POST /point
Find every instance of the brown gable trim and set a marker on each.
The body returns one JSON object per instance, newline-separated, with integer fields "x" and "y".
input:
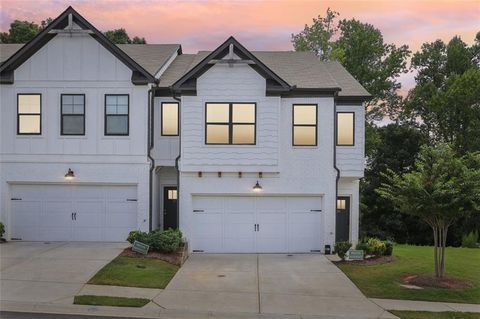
{"x": 139, "y": 75}
{"x": 187, "y": 83}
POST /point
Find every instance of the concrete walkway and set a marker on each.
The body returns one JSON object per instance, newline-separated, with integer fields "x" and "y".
{"x": 414, "y": 305}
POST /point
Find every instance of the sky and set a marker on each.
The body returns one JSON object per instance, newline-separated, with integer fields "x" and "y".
{"x": 259, "y": 25}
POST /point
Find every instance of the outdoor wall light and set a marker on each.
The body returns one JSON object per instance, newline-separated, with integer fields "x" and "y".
{"x": 70, "y": 174}
{"x": 257, "y": 187}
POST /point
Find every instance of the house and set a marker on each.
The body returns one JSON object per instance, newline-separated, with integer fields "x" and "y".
{"x": 244, "y": 151}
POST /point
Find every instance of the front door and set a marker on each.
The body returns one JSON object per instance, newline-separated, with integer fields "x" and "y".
{"x": 170, "y": 217}
{"x": 343, "y": 219}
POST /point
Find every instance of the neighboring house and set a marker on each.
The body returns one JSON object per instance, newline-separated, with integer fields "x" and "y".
{"x": 244, "y": 151}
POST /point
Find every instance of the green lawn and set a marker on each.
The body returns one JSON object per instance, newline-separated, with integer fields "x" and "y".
{"x": 135, "y": 272}
{"x": 110, "y": 301}
{"x": 435, "y": 315}
{"x": 382, "y": 281}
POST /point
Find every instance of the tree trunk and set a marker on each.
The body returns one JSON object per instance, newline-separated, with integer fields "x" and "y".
{"x": 440, "y": 229}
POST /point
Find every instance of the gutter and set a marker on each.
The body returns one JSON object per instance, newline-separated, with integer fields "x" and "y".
{"x": 151, "y": 96}
{"x": 335, "y": 152}
{"x": 177, "y": 159}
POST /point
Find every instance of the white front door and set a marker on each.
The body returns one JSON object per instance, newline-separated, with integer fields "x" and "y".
{"x": 72, "y": 212}
{"x": 246, "y": 224}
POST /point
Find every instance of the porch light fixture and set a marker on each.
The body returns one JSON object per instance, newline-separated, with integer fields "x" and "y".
{"x": 70, "y": 174}
{"x": 257, "y": 187}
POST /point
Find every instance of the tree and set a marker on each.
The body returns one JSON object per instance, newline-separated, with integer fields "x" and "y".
{"x": 20, "y": 32}
{"x": 446, "y": 97}
{"x": 120, "y": 36}
{"x": 360, "y": 48}
{"x": 442, "y": 188}
{"x": 391, "y": 147}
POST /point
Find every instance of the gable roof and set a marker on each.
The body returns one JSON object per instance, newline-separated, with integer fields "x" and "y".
{"x": 139, "y": 74}
{"x": 187, "y": 82}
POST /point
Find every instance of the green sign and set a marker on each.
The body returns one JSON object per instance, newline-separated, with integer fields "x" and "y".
{"x": 140, "y": 247}
{"x": 355, "y": 255}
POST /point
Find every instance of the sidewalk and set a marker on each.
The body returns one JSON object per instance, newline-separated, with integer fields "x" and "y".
{"x": 414, "y": 305}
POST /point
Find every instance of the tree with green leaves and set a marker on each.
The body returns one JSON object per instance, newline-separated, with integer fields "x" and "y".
{"x": 22, "y": 31}
{"x": 120, "y": 36}
{"x": 440, "y": 189}
{"x": 360, "y": 48}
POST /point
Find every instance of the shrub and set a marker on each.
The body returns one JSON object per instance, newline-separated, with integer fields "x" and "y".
{"x": 166, "y": 241}
{"x": 378, "y": 246}
{"x": 470, "y": 240}
{"x": 2, "y": 230}
{"x": 342, "y": 247}
{"x": 140, "y": 236}
{"x": 365, "y": 247}
{"x": 388, "y": 248}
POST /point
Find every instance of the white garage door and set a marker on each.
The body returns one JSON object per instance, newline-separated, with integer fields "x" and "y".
{"x": 72, "y": 213}
{"x": 256, "y": 224}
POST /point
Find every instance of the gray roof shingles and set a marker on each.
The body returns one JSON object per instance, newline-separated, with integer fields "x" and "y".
{"x": 301, "y": 69}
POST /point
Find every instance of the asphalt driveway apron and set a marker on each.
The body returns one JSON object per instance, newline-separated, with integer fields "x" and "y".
{"x": 305, "y": 284}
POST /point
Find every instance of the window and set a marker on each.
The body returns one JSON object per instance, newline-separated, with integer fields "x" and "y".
{"x": 29, "y": 114}
{"x": 345, "y": 128}
{"x": 169, "y": 119}
{"x": 72, "y": 114}
{"x": 116, "y": 114}
{"x": 304, "y": 125}
{"x": 172, "y": 194}
{"x": 341, "y": 203}
{"x": 230, "y": 123}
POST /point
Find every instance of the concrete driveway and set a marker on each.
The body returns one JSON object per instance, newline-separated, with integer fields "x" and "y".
{"x": 267, "y": 284}
{"x": 50, "y": 272}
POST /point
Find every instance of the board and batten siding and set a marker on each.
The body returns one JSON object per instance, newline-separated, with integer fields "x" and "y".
{"x": 224, "y": 84}
{"x": 351, "y": 159}
{"x": 165, "y": 148}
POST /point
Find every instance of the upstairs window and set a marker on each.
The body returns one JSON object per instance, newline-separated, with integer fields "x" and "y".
{"x": 304, "y": 125}
{"x": 29, "y": 114}
{"x": 72, "y": 114}
{"x": 116, "y": 114}
{"x": 230, "y": 123}
{"x": 169, "y": 119}
{"x": 345, "y": 128}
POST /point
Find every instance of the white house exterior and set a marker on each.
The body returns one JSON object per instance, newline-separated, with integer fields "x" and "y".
{"x": 241, "y": 150}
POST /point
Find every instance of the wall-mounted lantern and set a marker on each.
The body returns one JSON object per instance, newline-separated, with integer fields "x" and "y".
{"x": 257, "y": 187}
{"x": 70, "y": 175}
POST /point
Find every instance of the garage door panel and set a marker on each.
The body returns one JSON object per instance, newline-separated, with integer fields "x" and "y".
{"x": 89, "y": 213}
{"x": 239, "y": 204}
{"x": 239, "y": 244}
{"x": 271, "y": 204}
{"x": 56, "y": 214}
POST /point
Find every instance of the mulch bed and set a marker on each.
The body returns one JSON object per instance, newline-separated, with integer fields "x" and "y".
{"x": 434, "y": 282}
{"x": 370, "y": 261}
{"x": 176, "y": 258}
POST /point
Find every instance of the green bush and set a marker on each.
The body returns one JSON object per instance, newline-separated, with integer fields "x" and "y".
{"x": 342, "y": 247}
{"x": 140, "y": 236}
{"x": 166, "y": 241}
{"x": 388, "y": 248}
{"x": 470, "y": 240}
{"x": 365, "y": 247}
{"x": 2, "y": 230}
{"x": 378, "y": 246}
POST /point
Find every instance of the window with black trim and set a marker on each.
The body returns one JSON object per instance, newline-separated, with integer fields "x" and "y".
{"x": 29, "y": 114}
{"x": 72, "y": 114}
{"x": 345, "y": 128}
{"x": 304, "y": 119}
{"x": 116, "y": 114}
{"x": 230, "y": 123}
{"x": 169, "y": 119}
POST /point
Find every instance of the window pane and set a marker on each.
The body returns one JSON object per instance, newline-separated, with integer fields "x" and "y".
{"x": 304, "y": 135}
{"x": 29, "y": 103}
{"x": 345, "y": 128}
{"x": 122, "y": 109}
{"x": 78, "y": 99}
{"x": 67, "y": 99}
{"x": 122, "y": 100}
{"x": 304, "y": 114}
{"x": 111, "y": 100}
{"x": 29, "y": 124}
{"x": 73, "y": 125}
{"x": 217, "y": 134}
{"x": 67, "y": 109}
{"x": 111, "y": 109}
{"x": 78, "y": 109}
{"x": 340, "y": 204}
{"x": 243, "y": 134}
{"x": 170, "y": 119}
{"x": 217, "y": 113}
{"x": 244, "y": 113}
{"x": 117, "y": 124}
